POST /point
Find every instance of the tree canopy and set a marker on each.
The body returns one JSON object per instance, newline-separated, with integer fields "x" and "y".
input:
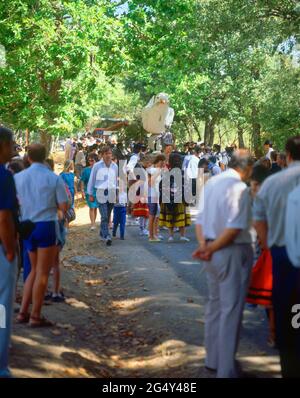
{"x": 230, "y": 66}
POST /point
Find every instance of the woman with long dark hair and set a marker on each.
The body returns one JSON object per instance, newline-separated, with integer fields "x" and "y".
{"x": 174, "y": 215}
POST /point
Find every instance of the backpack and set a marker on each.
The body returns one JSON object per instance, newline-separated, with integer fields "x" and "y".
{"x": 70, "y": 214}
{"x": 292, "y": 227}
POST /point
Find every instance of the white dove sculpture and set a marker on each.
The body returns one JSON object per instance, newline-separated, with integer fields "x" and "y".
{"x": 157, "y": 116}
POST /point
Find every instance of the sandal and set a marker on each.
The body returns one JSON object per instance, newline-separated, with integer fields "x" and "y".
{"x": 40, "y": 322}
{"x": 22, "y": 318}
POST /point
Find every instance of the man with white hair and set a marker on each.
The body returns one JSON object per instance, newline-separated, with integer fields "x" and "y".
{"x": 223, "y": 232}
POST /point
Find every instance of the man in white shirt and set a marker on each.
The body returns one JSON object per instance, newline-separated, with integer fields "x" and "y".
{"x": 292, "y": 227}
{"x": 269, "y": 215}
{"x": 223, "y": 232}
{"x": 268, "y": 148}
{"x": 103, "y": 178}
{"x": 135, "y": 157}
{"x": 192, "y": 170}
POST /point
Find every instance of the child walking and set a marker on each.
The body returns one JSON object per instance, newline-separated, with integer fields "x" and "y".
{"x": 120, "y": 216}
{"x": 154, "y": 177}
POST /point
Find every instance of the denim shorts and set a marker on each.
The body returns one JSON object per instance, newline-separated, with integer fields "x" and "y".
{"x": 42, "y": 237}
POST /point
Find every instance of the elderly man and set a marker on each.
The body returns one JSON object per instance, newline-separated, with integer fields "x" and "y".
{"x": 269, "y": 214}
{"x": 223, "y": 232}
{"x": 41, "y": 193}
{"x": 8, "y": 244}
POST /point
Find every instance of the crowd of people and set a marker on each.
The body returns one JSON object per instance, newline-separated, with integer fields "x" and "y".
{"x": 127, "y": 185}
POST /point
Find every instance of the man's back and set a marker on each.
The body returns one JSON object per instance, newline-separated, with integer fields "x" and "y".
{"x": 271, "y": 200}
{"x": 38, "y": 191}
{"x": 226, "y": 204}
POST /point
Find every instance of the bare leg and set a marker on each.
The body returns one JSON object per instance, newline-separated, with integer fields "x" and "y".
{"x": 45, "y": 260}
{"x": 156, "y": 227}
{"x": 27, "y": 292}
{"x": 182, "y": 231}
{"x": 151, "y": 227}
{"x": 93, "y": 216}
{"x": 56, "y": 273}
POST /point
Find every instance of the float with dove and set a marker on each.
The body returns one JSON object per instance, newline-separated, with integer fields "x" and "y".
{"x": 157, "y": 118}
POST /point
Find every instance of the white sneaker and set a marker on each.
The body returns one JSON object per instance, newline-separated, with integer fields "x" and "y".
{"x": 160, "y": 237}
{"x": 146, "y": 232}
{"x": 184, "y": 239}
{"x": 92, "y": 228}
{"x": 170, "y": 239}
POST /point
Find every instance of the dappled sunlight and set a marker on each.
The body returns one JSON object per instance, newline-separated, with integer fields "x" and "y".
{"x": 171, "y": 353}
{"x": 170, "y": 300}
{"x": 266, "y": 364}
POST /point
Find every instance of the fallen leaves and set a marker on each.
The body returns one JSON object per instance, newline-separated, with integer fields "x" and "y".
{"x": 94, "y": 282}
{"x": 56, "y": 332}
{"x": 66, "y": 326}
{"x": 76, "y": 303}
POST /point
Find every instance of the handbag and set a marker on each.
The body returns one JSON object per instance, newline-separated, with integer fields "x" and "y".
{"x": 260, "y": 290}
{"x": 25, "y": 229}
{"x": 70, "y": 215}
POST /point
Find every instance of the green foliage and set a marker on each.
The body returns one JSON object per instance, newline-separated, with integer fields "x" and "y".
{"x": 229, "y": 65}
{"x": 58, "y": 57}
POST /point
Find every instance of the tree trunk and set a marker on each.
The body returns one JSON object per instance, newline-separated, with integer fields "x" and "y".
{"x": 27, "y": 137}
{"x": 256, "y": 134}
{"x": 46, "y": 139}
{"x": 209, "y": 132}
{"x": 241, "y": 137}
{"x": 197, "y": 130}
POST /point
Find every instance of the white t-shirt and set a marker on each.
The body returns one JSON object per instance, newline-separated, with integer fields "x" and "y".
{"x": 268, "y": 155}
{"x": 154, "y": 175}
{"x": 192, "y": 168}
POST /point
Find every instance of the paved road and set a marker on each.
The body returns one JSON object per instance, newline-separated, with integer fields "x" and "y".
{"x": 176, "y": 257}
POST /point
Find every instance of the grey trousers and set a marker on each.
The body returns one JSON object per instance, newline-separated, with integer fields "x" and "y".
{"x": 228, "y": 275}
{"x": 8, "y": 274}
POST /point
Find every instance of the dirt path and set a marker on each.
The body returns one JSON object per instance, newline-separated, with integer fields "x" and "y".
{"x": 130, "y": 316}
{"x": 104, "y": 328}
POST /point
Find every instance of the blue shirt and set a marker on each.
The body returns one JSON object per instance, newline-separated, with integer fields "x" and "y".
{"x": 85, "y": 177}
{"x": 8, "y": 197}
{"x": 39, "y": 192}
{"x": 69, "y": 179}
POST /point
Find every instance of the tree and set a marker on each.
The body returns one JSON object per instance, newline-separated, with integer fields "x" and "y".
{"x": 58, "y": 55}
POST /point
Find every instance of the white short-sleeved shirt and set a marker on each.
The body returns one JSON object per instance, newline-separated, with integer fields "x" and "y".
{"x": 268, "y": 155}
{"x": 192, "y": 168}
{"x": 225, "y": 203}
{"x": 39, "y": 191}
